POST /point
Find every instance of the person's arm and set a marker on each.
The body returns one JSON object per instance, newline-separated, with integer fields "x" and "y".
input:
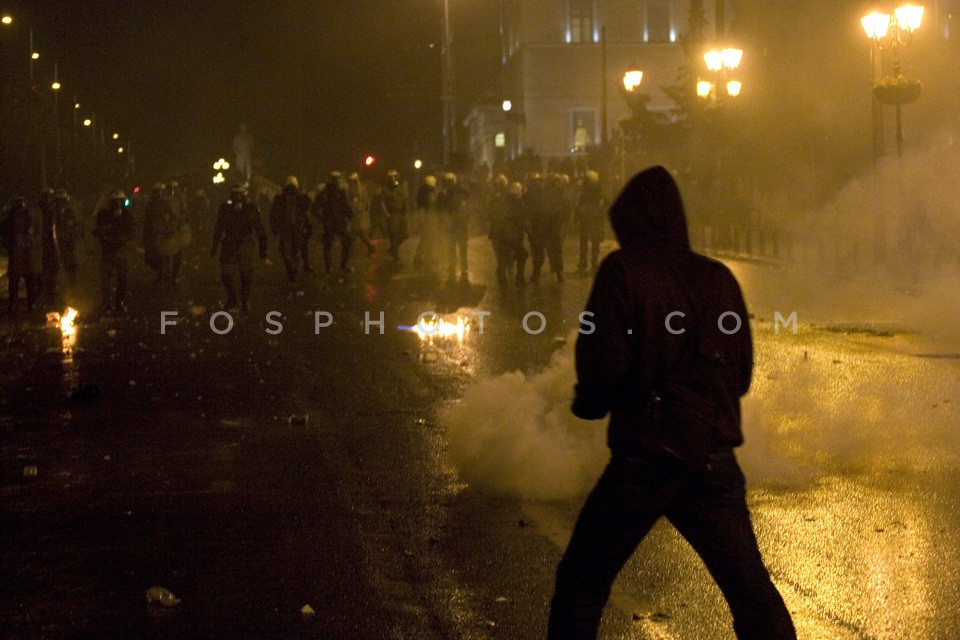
{"x": 603, "y": 356}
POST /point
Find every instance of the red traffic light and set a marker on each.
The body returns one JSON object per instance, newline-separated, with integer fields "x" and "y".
{"x": 369, "y": 161}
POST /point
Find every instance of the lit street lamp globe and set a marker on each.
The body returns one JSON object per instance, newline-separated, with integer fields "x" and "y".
{"x": 632, "y": 80}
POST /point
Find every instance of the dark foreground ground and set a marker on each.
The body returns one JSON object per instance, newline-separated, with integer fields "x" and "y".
{"x": 253, "y": 474}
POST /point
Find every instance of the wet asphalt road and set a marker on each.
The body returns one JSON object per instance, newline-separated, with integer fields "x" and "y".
{"x": 252, "y": 474}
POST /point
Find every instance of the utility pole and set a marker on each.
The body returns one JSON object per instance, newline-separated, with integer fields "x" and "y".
{"x": 720, "y": 15}
{"x": 447, "y": 89}
{"x": 603, "y": 87}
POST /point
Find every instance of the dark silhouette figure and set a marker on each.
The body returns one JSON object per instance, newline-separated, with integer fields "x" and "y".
{"x": 654, "y": 356}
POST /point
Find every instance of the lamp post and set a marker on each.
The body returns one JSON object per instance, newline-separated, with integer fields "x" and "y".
{"x": 34, "y": 56}
{"x": 447, "y": 89}
{"x": 721, "y": 63}
{"x": 722, "y": 87}
{"x": 636, "y": 102}
{"x": 57, "y": 168}
{"x": 718, "y": 91}
{"x": 890, "y": 32}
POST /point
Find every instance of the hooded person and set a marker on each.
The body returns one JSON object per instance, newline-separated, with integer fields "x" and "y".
{"x": 665, "y": 349}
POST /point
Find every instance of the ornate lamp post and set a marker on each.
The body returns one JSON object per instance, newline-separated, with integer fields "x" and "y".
{"x": 890, "y": 32}
{"x": 721, "y": 63}
{"x": 631, "y": 130}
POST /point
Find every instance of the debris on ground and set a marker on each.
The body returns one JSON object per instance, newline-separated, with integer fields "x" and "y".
{"x": 162, "y": 596}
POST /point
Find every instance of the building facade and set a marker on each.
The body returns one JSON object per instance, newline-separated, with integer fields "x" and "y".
{"x": 559, "y": 58}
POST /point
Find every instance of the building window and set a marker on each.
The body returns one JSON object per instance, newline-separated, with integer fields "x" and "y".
{"x": 581, "y": 22}
{"x": 584, "y": 130}
{"x": 500, "y": 140}
{"x": 659, "y": 25}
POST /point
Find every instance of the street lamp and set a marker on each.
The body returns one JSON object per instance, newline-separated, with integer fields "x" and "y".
{"x": 34, "y": 56}
{"x": 116, "y": 136}
{"x": 6, "y": 20}
{"x": 632, "y": 79}
{"x": 891, "y": 31}
{"x": 507, "y": 105}
{"x": 87, "y": 122}
{"x": 721, "y": 63}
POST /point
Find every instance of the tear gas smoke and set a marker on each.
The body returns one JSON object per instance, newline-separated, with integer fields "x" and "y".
{"x": 883, "y": 251}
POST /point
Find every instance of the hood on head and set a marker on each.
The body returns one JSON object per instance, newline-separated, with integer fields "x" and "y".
{"x": 649, "y": 210}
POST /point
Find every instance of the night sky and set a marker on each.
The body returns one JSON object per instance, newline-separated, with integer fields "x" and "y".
{"x": 320, "y": 83}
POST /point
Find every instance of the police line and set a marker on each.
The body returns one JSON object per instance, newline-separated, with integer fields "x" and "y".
{"x": 221, "y": 322}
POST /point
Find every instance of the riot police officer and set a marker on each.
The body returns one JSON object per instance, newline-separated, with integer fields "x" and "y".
{"x": 238, "y": 232}
{"x": 114, "y": 230}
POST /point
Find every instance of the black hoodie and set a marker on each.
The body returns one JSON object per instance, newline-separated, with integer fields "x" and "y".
{"x": 641, "y": 288}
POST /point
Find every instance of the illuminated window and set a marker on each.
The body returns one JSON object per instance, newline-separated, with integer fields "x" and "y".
{"x": 581, "y": 22}
{"x": 500, "y": 140}
{"x": 659, "y": 26}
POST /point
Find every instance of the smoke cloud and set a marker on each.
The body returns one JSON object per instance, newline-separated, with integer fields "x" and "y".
{"x": 839, "y": 397}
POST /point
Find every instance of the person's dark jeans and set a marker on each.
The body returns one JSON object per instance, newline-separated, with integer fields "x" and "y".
{"x": 710, "y": 511}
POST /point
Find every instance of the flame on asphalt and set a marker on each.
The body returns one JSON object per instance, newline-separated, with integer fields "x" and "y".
{"x": 67, "y": 325}
{"x": 437, "y": 327}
